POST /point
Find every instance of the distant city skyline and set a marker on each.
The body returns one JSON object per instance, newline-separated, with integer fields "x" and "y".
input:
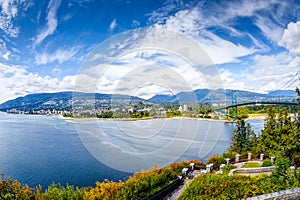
{"x": 254, "y": 45}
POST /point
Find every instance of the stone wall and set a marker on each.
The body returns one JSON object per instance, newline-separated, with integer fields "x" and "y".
{"x": 291, "y": 194}
{"x": 252, "y": 170}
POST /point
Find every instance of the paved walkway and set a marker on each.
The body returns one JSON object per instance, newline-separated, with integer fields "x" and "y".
{"x": 176, "y": 193}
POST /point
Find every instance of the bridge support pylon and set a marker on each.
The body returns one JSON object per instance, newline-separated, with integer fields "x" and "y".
{"x": 234, "y": 111}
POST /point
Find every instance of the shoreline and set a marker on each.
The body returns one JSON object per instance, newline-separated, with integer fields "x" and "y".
{"x": 261, "y": 116}
{"x": 74, "y": 119}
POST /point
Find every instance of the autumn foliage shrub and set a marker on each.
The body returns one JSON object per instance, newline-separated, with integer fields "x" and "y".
{"x": 136, "y": 187}
{"x": 217, "y": 161}
{"x": 10, "y": 189}
{"x": 178, "y": 166}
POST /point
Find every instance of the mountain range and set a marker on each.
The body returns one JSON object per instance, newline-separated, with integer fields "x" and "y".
{"x": 65, "y": 100}
{"x": 220, "y": 95}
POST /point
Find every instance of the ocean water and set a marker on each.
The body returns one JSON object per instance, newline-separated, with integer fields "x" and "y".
{"x": 45, "y": 149}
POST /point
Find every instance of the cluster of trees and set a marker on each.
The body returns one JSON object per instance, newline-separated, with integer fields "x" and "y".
{"x": 107, "y": 114}
{"x": 68, "y": 115}
{"x": 244, "y": 112}
{"x": 281, "y": 133}
{"x": 205, "y": 110}
{"x": 139, "y": 114}
{"x": 173, "y": 113}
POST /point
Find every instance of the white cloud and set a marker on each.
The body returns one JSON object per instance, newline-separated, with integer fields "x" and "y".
{"x": 59, "y": 55}
{"x": 113, "y": 25}
{"x": 81, "y": 3}
{"x": 272, "y": 72}
{"x": 201, "y": 21}
{"x": 223, "y": 51}
{"x": 231, "y": 80}
{"x": 10, "y": 10}
{"x": 243, "y": 8}
{"x": 219, "y": 50}
{"x": 6, "y": 55}
{"x": 146, "y": 71}
{"x": 274, "y": 65}
{"x": 67, "y": 17}
{"x": 291, "y": 37}
{"x": 136, "y": 24}
{"x": 153, "y": 77}
{"x": 17, "y": 81}
{"x": 56, "y": 70}
{"x": 51, "y": 22}
{"x": 264, "y": 74}
{"x": 270, "y": 29}
{"x": 268, "y": 16}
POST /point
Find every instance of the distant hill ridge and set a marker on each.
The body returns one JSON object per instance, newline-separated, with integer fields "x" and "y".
{"x": 207, "y": 96}
{"x": 63, "y": 100}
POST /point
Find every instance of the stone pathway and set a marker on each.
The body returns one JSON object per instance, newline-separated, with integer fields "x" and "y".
{"x": 176, "y": 193}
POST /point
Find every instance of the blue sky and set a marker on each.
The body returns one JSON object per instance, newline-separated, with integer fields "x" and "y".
{"x": 254, "y": 45}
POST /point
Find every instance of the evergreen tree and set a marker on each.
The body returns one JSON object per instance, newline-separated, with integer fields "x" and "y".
{"x": 268, "y": 140}
{"x": 295, "y": 144}
{"x": 251, "y": 140}
{"x": 244, "y": 138}
{"x": 286, "y": 131}
{"x": 298, "y": 92}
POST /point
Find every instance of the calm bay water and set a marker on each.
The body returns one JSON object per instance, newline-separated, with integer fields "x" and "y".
{"x": 42, "y": 149}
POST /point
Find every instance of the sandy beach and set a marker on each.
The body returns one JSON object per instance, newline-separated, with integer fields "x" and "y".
{"x": 257, "y": 116}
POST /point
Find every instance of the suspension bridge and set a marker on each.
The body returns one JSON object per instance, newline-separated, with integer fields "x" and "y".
{"x": 278, "y": 100}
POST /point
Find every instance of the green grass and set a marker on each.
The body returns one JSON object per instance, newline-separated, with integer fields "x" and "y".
{"x": 251, "y": 165}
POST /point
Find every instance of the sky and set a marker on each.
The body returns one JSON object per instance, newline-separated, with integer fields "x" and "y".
{"x": 45, "y": 45}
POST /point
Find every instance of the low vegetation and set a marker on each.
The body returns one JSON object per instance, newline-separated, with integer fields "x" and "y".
{"x": 267, "y": 163}
{"x": 136, "y": 187}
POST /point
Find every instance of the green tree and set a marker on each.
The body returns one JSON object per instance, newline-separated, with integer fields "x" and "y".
{"x": 278, "y": 133}
{"x": 283, "y": 176}
{"x": 267, "y": 142}
{"x": 244, "y": 138}
{"x": 295, "y": 144}
{"x": 243, "y": 112}
{"x": 251, "y": 139}
{"x": 286, "y": 131}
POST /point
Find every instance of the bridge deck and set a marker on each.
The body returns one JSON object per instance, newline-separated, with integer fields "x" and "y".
{"x": 258, "y": 103}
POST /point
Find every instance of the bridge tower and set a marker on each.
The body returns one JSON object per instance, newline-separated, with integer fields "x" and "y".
{"x": 234, "y": 111}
